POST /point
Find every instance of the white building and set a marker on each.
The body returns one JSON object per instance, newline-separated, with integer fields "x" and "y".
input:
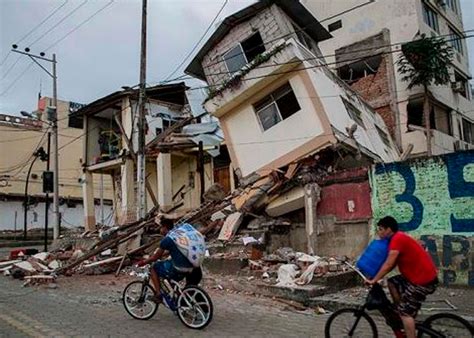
{"x": 365, "y": 47}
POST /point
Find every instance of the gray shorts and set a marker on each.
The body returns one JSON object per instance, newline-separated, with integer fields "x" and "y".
{"x": 411, "y": 295}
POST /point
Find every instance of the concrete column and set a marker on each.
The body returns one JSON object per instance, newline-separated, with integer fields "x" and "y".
{"x": 89, "y": 208}
{"x": 164, "y": 178}
{"x": 127, "y": 181}
{"x": 312, "y": 196}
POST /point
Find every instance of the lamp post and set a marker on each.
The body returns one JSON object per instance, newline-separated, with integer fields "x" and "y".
{"x": 54, "y": 124}
{"x": 43, "y": 156}
{"x": 46, "y": 185}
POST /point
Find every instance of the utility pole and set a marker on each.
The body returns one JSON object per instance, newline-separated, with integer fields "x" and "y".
{"x": 46, "y": 207}
{"x": 141, "y": 161}
{"x": 54, "y": 119}
{"x": 56, "y": 154}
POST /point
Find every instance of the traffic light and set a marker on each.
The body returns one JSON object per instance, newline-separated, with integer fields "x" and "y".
{"x": 48, "y": 181}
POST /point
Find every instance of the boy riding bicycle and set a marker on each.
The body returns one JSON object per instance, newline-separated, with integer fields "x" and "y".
{"x": 418, "y": 274}
{"x": 186, "y": 247}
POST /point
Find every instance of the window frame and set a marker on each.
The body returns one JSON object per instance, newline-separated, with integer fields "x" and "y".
{"x": 456, "y": 40}
{"x": 453, "y": 5}
{"x": 273, "y": 101}
{"x": 242, "y": 52}
{"x": 430, "y": 17}
{"x": 354, "y": 113}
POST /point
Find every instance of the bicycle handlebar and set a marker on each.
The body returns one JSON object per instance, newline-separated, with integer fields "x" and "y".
{"x": 356, "y": 270}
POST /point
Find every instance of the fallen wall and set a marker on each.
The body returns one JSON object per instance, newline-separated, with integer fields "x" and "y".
{"x": 433, "y": 199}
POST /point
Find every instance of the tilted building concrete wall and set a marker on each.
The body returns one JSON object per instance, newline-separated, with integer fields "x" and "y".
{"x": 433, "y": 199}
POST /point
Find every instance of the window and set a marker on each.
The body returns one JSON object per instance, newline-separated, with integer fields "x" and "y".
{"x": 75, "y": 121}
{"x": 335, "y": 25}
{"x": 244, "y": 52}
{"x": 353, "y": 72}
{"x": 383, "y": 136}
{"x": 460, "y": 85}
{"x": 430, "y": 17}
{"x": 276, "y": 107}
{"x": 354, "y": 113}
{"x": 456, "y": 40}
{"x": 303, "y": 38}
{"x": 453, "y": 5}
{"x": 468, "y": 131}
{"x": 165, "y": 124}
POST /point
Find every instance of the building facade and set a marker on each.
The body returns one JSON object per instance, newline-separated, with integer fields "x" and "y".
{"x": 19, "y": 139}
{"x": 365, "y": 47}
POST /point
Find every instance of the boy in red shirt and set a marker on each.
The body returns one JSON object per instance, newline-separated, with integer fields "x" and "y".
{"x": 418, "y": 274}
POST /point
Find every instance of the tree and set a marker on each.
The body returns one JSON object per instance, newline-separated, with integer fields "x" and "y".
{"x": 424, "y": 62}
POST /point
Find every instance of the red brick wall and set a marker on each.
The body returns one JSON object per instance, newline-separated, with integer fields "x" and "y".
{"x": 375, "y": 90}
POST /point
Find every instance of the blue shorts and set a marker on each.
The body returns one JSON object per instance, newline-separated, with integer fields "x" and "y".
{"x": 166, "y": 269}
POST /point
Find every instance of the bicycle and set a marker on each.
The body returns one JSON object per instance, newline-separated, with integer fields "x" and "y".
{"x": 190, "y": 303}
{"x": 356, "y": 322}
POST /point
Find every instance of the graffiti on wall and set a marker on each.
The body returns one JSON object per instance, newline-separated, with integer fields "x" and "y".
{"x": 433, "y": 200}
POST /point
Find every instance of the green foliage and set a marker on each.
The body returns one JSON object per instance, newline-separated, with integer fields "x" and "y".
{"x": 425, "y": 61}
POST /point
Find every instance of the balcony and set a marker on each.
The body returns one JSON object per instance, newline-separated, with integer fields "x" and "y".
{"x": 282, "y": 58}
{"x": 441, "y": 143}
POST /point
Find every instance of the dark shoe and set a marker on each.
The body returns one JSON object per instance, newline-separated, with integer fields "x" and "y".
{"x": 156, "y": 298}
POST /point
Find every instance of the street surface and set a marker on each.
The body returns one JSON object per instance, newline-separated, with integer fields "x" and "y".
{"x": 91, "y": 306}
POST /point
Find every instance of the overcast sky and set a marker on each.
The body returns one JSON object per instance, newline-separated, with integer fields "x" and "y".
{"x": 103, "y": 54}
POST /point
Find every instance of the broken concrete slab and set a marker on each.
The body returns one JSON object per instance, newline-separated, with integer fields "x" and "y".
{"x": 42, "y": 257}
{"x": 230, "y": 226}
{"x": 9, "y": 263}
{"x": 298, "y": 293}
{"x": 225, "y": 266}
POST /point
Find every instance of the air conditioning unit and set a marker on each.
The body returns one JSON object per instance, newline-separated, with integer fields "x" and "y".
{"x": 457, "y": 87}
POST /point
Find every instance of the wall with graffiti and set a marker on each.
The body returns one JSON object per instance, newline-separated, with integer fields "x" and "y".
{"x": 433, "y": 200}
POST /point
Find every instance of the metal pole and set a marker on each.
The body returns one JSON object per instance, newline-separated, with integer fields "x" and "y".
{"x": 46, "y": 208}
{"x": 26, "y": 198}
{"x": 56, "y": 153}
{"x": 102, "y": 199}
{"x": 201, "y": 170}
{"x": 141, "y": 198}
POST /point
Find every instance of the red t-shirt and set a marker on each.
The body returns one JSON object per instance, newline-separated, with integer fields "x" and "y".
{"x": 413, "y": 261}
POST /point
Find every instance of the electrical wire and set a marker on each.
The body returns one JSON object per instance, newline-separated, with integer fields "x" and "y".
{"x": 58, "y": 23}
{"x": 17, "y": 78}
{"x": 199, "y": 41}
{"x": 11, "y": 67}
{"x": 80, "y": 25}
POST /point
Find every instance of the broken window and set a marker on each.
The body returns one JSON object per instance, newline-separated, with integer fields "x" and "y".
{"x": 302, "y": 37}
{"x": 354, "y": 113}
{"x": 353, "y": 72}
{"x": 442, "y": 119}
{"x": 276, "y": 107}
{"x": 383, "y": 136}
{"x": 460, "y": 85}
{"x": 244, "y": 52}
{"x": 468, "y": 131}
{"x": 164, "y": 125}
{"x": 430, "y": 17}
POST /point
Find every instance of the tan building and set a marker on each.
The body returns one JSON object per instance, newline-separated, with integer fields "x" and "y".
{"x": 176, "y": 172}
{"x": 19, "y": 139}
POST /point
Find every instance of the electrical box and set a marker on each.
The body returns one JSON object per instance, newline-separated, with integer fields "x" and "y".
{"x": 48, "y": 182}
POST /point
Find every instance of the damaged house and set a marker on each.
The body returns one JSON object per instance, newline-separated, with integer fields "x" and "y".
{"x": 282, "y": 110}
{"x": 178, "y": 151}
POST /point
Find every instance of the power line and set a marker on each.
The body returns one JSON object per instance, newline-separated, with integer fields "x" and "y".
{"x": 58, "y": 23}
{"x": 11, "y": 67}
{"x": 80, "y": 25}
{"x": 17, "y": 78}
{"x": 42, "y": 22}
{"x": 197, "y": 43}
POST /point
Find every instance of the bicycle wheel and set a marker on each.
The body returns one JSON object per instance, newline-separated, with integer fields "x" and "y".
{"x": 195, "y": 307}
{"x": 448, "y": 325}
{"x": 139, "y": 305}
{"x": 341, "y": 324}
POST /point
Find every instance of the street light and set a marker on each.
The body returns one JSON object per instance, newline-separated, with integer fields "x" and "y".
{"x": 54, "y": 120}
{"x": 46, "y": 182}
{"x": 40, "y": 153}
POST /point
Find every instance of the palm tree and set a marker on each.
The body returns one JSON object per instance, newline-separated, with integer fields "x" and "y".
{"x": 424, "y": 62}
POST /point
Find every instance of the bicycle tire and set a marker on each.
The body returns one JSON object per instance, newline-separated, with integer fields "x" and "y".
{"x": 461, "y": 330}
{"x": 332, "y": 323}
{"x": 206, "y": 305}
{"x": 153, "y": 305}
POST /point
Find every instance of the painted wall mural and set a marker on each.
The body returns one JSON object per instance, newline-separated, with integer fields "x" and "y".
{"x": 433, "y": 200}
